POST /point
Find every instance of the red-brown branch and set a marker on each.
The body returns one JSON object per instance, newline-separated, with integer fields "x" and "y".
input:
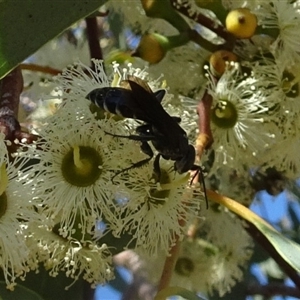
{"x": 92, "y": 30}
{"x": 11, "y": 87}
{"x": 42, "y": 69}
{"x": 205, "y": 137}
{"x": 273, "y": 289}
{"x": 170, "y": 263}
{"x": 10, "y": 90}
{"x": 220, "y": 30}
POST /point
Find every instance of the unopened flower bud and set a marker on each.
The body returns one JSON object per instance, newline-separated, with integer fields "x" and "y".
{"x": 164, "y": 10}
{"x": 153, "y": 47}
{"x": 241, "y": 23}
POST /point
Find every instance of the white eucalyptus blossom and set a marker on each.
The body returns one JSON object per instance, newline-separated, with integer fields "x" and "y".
{"x": 73, "y": 257}
{"x": 285, "y": 17}
{"x": 285, "y": 154}
{"x": 77, "y": 161}
{"x": 158, "y": 209}
{"x": 240, "y": 118}
{"x": 16, "y": 211}
{"x": 226, "y": 233}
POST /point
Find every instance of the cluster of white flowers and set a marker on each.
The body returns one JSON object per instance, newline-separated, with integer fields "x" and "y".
{"x": 77, "y": 209}
{"x": 73, "y": 197}
{"x": 255, "y": 107}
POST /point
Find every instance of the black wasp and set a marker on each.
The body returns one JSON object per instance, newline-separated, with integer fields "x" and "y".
{"x": 134, "y": 99}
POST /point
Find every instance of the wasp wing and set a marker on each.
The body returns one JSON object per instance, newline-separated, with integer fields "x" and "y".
{"x": 150, "y": 110}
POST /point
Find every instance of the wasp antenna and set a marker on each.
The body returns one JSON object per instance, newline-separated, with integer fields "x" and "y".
{"x": 199, "y": 170}
{"x": 204, "y": 187}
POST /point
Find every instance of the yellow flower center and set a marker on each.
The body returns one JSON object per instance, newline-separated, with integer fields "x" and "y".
{"x": 81, "y": 166}
{"x": 224, "y": 114}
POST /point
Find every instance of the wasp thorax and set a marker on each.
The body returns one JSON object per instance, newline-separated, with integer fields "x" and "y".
{"x": 80, "y": 166}
{"x": 290, "y": 84}
{"x": 184, "y": 266}
{"x": 224, "y": 114}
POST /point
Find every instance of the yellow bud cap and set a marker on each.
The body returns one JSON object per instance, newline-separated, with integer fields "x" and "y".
{"x": 241, "y": 23}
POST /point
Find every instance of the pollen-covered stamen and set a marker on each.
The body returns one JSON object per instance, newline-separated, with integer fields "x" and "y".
{"x": 290, "y": 84}
{"x": 160, "y": 193}
{"x": 76, "y": 234}
{"x": 175, "y": 184}
{"x": 224, "y": 114}
{"x": 80, "y": 166}
{"x": 184, "y": 266}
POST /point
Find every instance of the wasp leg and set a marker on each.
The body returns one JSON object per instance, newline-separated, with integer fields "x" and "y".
{"x": 133, "y": 137}
{"x": 144, "y": 130}
{"x": 176, "y": 119}
{"x": 199, "y": 170}
{"x": 147, "y": 150}
{"x": 156, "y": 168}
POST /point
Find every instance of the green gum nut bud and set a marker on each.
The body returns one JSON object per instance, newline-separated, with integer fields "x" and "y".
{"x": 153, "y": 46}
{"x": 164, "y": 10}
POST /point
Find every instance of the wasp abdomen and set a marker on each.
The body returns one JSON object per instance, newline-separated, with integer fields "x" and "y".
{"x": 112, "y": 100}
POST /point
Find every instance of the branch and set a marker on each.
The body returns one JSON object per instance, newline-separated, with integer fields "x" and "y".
{"x": 184, "y": 7}
{"x": 170, "y": 263}
{"x": 205, "y": 137}
{"x": 272, "y": 289}
{"x": 11, "y": 87}
{"x": 92, "y": 31}
{"x": 42, "y": 69}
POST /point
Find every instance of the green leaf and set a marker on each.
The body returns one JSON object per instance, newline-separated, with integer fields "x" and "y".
{"x": 20, "y": 293}
{"x": 27, "y": 25}
{"x": 288, "y": 250}
{"x": 178, "y": 291}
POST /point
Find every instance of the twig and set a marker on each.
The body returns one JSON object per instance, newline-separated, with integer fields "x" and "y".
{"x": 92, "y": 31}
{"x": 272, "y": 289}
{"x": 10, "y": 90}
{"x": 170, "y": 263}
{"x": 205, "y": 137}
{"x": 185, "y": 8}
{"x": 11, "y": 87}
{"x": 42, "y": 69}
